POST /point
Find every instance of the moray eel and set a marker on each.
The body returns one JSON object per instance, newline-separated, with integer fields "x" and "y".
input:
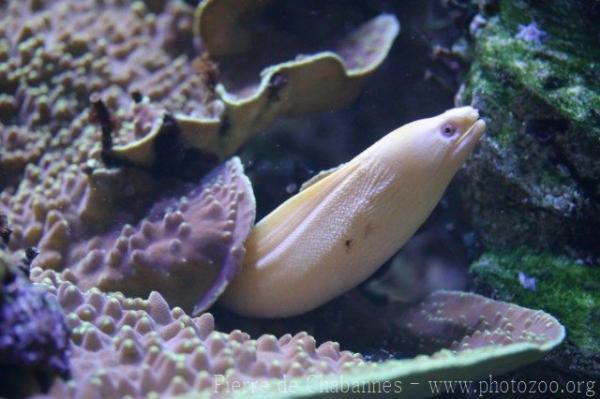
{"x": 348, "y": 221}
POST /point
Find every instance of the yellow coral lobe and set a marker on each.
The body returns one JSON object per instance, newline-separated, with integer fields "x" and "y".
{"x": 337, "y": 231}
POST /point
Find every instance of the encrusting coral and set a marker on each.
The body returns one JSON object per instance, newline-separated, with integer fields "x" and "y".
{"x": 461, "y": 333}
{"x": 54, "y": 54}
{"x": 188, "y": 247}
{"x": 308, "y": 83}
{"x": 132, "y": 346}
{"x": 347, "y": 222}
{"x": 92, "y": 91}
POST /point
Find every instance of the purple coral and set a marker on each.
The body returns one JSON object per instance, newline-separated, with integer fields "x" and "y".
{"x": 34, "y": 339}
{"x": 531, "y": 33}
{"x": 188, "y": 247}
{"x": 133, "y": 346}
{"x": 463, "y": 321}
{"x": 55, "y": 193}
{"x": 53, "y": 56}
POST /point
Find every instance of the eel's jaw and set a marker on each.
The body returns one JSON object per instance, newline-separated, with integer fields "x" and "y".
{"x": 466, "y": 143}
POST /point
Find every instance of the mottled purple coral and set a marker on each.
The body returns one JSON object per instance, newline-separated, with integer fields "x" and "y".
{"x": 188, "y": 247}
{"x": 53, "y": 56}
{"x": 462, "y": 321}
{"x": 140, "y": 63}
{"x": 34, "y": 340}
{"x": 133, "y": 346}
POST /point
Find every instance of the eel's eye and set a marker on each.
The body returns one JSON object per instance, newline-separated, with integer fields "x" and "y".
{"x": 448, "y": 129}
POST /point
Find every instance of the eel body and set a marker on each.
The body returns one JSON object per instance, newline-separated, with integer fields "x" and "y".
{"x": 347, "y": 222}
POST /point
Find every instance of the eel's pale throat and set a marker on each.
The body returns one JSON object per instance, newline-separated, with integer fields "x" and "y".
{"x": 347, "y": 222}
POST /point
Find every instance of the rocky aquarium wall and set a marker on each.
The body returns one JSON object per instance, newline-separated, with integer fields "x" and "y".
{"x": 284, "y": 199}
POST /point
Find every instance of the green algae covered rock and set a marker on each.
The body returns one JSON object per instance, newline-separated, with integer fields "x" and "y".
{"x": 568, "y": 290}
{"x": 533, "y": 187}
{"x": 536, "y": 77}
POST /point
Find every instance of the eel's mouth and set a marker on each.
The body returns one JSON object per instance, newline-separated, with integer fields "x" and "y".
{"x": 467, "y": 141}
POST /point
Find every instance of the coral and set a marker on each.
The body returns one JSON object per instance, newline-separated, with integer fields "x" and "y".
{"x": 452, "y": 331}
{"x": 538, "y": 166}
{"x": 19, "y": 149}
{"x": 34, "y": 338}
{"x": 222, "y": 25}
{"x": 460, "y": 321}
{"x": 54, "y": 54}
{"x": 569, "y": 290}
{"x": 305, "y": 84}
{"x": 188, "y": 247}
{"x": 107, "y": 107}
{"x": 132, "y": 346}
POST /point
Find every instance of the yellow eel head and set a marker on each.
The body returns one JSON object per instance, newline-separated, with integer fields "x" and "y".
{"x": 461, "y": 130}
{"x": 442, "y": 143}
